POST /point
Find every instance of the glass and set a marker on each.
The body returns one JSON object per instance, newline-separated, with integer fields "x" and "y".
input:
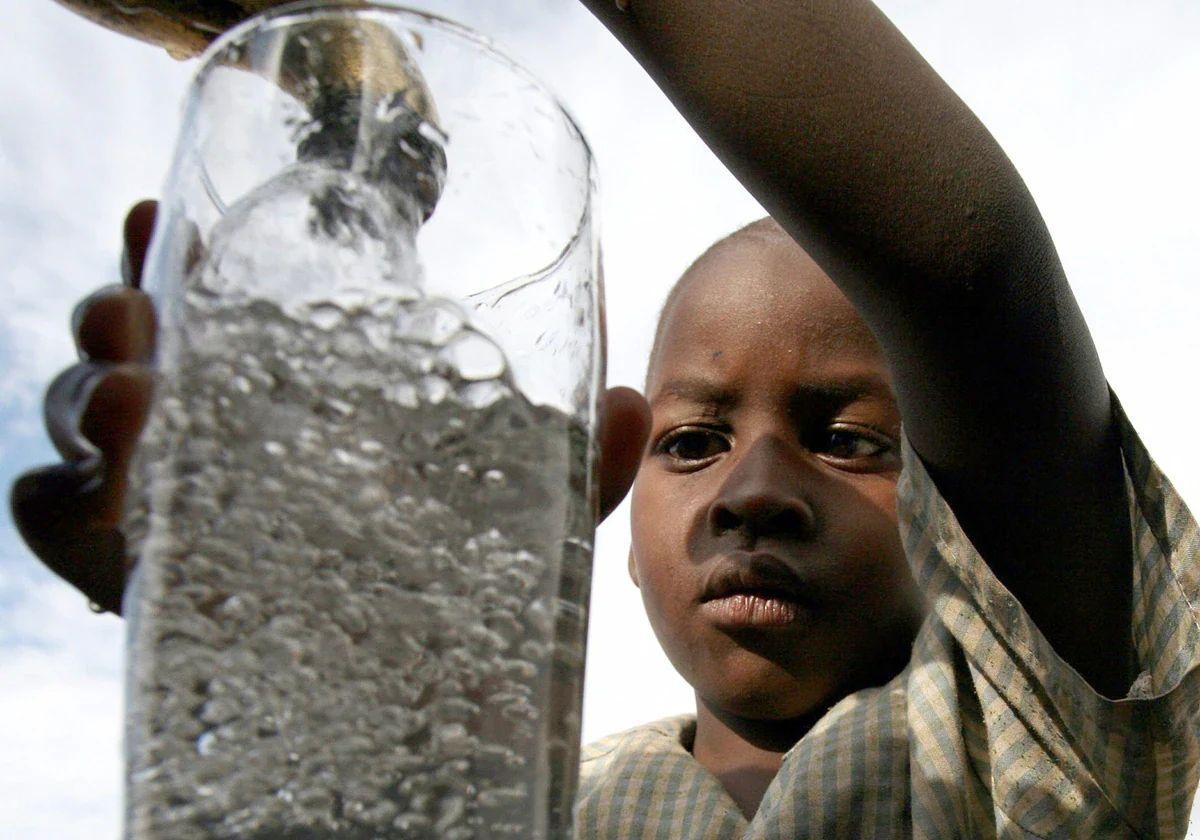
{"x": 365, "y": 497}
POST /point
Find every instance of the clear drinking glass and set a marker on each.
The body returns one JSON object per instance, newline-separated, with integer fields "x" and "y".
{"x": 365, "y": 499}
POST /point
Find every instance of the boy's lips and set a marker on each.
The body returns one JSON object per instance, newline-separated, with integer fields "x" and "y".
{"x": 752, "y": 590}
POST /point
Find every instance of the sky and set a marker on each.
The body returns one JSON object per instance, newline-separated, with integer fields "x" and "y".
{"x": 1094, "y": 103}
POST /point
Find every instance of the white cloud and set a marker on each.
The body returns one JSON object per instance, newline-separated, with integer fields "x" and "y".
{"x": 60, "y": 704}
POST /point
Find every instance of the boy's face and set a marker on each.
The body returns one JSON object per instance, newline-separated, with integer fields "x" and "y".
{"x": 765, "y": 540}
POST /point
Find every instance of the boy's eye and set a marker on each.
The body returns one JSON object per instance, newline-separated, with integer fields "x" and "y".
{"x": 693, "y": 445}
{"x": 850, "y": 444}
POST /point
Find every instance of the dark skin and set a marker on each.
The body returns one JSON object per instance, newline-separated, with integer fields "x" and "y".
{"x": 774, "y": 431}
{"x": 868, "y": 160}
{"x": 871, "y": 163}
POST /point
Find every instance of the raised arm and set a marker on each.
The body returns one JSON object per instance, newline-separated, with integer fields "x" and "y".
{"x": 857, "y": 147}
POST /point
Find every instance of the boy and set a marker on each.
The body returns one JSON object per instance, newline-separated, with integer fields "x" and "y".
{"x": 766, "y": 547}
{"x": 1006, "y": 722}
{"x": 764, "y": 527}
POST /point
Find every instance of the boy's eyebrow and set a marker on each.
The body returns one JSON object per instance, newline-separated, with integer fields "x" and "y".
{"x": 698, "y": 391}
{"x": 844, "y": 389}
{"x": 840, "y": 390}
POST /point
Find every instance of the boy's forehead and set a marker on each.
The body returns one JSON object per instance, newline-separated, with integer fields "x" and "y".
{"x": 759, "y": 297}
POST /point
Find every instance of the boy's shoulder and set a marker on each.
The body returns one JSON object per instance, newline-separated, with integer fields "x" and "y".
{"x": 644, "y": 782}
{"x": 669, "y": 734}
{"x": 668, "y": 739}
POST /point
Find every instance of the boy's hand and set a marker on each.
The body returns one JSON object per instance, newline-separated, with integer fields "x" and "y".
{"x": 69, "y": 513}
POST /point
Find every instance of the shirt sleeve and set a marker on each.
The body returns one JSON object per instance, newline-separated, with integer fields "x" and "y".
{"x": 1043, "y": 753}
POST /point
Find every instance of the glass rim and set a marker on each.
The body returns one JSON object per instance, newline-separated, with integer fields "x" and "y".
{"x": 238, "y": 33}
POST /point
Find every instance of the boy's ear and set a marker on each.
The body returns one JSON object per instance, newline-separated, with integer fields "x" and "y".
{"x": 624, "y": 427}
{"x": 633, "y": 573}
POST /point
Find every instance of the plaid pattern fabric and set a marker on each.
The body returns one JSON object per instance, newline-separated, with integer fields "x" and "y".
{"x": 987, "y": 732}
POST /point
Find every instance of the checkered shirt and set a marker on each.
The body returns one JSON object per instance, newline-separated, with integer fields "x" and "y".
{"x": 987, "y": 732}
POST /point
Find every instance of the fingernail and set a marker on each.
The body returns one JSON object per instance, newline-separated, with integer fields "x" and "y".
{"x": 67, "y": 399}
{"x": 139, "y": 227}
{"x": 126, "y": 269}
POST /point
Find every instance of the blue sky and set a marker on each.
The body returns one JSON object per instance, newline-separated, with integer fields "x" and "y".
{"x": 1093, "y": 101}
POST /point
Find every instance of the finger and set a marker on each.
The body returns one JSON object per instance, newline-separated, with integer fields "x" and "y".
{"x": 69, "y": 513}
{"x": 55, "y": 510}
{"x": 139, "y": 226}
{"x": 114, "y": 324}
{"x": 94, "y": 414}
{"x": 624, "y": 428}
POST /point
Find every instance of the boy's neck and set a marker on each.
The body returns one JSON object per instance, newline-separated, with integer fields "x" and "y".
{"x": 744, "y": 754}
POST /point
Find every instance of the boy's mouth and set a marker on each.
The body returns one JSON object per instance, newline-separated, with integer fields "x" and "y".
{"x": 752, "y": 591}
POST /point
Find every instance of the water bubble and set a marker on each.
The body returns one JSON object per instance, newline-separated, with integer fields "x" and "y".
{"x": 402, "y": 393}
{"x": 334, "y": 408}
{"x": 205, "y": 743}
{"x": 239, "y": 609}
{"x": 431, "y": 322}
{"x": 315, "y": 799}
{"x": 434, "y": 389}
{"x": 519, "y": 709}
{"x": 474, "y": 357}
{"x": 489, "y": 640}
{"x": 534, "y": 651}
{"x": 503, "y": 796}
{"x": 326, "y": 316}
{"x": 453, "y": 809}
{"x": 518, "y": 669}
{"x": 379, "y": 815}
{"x": 507, "y": 626}
{"x": 540, "y": 615}
{"x": 353, "y": 460}
{"x": 414, "y": 825}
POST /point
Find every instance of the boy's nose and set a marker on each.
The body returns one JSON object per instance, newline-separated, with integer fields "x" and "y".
{"x": 764, "y": 496}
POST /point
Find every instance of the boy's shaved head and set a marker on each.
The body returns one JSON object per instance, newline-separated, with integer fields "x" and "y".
{"x": 765, "y": 230}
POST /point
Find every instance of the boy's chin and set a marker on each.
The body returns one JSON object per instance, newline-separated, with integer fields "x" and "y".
{"x": 767, "y": 706}
{"x": 765, "y": 691}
